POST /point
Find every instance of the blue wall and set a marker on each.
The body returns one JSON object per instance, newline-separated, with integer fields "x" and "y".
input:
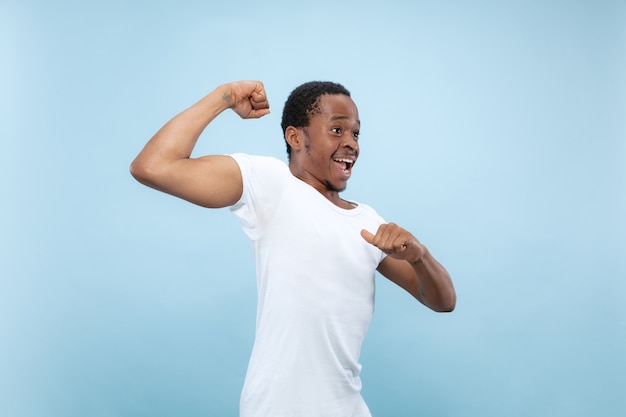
{"x": 494, "y": 131}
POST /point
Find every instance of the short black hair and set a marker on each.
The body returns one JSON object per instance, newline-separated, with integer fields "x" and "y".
{"x": 303, "y": 102}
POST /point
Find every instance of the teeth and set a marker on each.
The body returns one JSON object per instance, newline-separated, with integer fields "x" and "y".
{"x": 348, "y": 162}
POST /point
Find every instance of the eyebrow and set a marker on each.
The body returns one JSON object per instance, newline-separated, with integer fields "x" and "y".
{"x": 332, "y": 119}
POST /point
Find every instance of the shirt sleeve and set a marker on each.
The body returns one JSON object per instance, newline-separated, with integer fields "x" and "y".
{"x": 263, "y": 183}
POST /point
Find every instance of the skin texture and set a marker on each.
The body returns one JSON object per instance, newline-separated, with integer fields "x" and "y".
{"x": 322, "y": 155}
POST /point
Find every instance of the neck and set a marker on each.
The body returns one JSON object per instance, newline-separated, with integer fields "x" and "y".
{"x": 325, "y": 190}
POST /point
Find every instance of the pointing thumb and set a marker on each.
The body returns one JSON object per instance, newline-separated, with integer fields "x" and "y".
{"x": 369, "y": 237}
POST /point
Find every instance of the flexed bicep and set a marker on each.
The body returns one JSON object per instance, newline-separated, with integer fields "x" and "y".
{"x": 165, "y": 162}
{"x": 211, "y": 181}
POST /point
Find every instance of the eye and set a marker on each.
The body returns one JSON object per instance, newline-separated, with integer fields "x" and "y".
{"x": 337, "y": 130}
{"x": 356, "y": 135}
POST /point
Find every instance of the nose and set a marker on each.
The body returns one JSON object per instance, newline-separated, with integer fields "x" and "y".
{"x": 351, "y": 143}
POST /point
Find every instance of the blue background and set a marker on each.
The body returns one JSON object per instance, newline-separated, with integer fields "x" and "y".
{"x": 494, "y": 131}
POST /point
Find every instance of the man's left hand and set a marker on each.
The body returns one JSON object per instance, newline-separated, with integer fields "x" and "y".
{"x": 395, "y": 242}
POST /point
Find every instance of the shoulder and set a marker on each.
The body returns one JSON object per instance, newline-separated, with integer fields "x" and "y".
{"x": 260, "y": 169}
{"x": 245, "y": 160}
{"x": 369, "y": 210}
{"x": 262, "y": 176}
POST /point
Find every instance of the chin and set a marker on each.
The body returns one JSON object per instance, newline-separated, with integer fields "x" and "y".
{"x": 332, "y": 187}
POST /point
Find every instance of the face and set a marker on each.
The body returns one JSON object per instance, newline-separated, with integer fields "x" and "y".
{"x": 330, "y": 144}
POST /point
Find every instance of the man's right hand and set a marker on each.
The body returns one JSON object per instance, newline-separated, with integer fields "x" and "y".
{"x": 246, "y": 98}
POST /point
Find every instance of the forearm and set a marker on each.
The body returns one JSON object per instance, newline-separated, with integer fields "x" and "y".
{"x": 434, "y": 285}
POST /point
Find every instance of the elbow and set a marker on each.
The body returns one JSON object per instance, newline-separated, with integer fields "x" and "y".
{"x": 446, "y": 305}
{"x": 137, "y": 170}
{"x": 450, "y": 305}
{"x": 141, "y": 171}
{"x": 447, "y": 296}
{"x": 446, "y": 308}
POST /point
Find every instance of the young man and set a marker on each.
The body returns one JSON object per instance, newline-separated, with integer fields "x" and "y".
{"x": 316, "y": 253}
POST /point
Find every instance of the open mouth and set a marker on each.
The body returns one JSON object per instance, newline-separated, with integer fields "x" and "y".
{"x": 346, "y": 162}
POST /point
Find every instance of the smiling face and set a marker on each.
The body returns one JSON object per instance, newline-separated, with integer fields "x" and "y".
{"x": 324, "y": 152}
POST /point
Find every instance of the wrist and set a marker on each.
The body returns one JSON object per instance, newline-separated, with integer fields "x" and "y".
{"x": 224, "y": 93}
{"x": 420, "y": 258}
{"x": 212, "y": 105}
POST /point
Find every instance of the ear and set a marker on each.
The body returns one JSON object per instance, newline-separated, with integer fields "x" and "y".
{"x": 294, "y": 137}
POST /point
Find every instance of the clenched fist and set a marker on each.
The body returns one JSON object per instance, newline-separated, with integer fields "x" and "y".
{"x": 246, "y": 98}
{"x": 395, "y": 242}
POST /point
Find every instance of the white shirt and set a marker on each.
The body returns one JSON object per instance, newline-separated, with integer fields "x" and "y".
{"x": 315, "y": 281}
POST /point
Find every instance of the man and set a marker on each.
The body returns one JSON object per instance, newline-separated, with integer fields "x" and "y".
{"x": 316, "y": 253}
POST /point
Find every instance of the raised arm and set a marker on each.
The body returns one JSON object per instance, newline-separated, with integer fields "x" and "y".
{"x": 209, "y": 181}
{"x": 410, "y": 265}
